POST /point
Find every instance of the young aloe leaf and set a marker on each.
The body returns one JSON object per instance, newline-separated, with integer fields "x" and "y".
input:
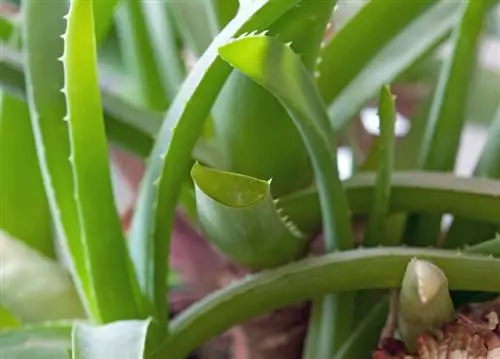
{"x": 279, "y": 70}
{"x": 463, "y": 231}
{"x": 103, "y": 17}
{"x": 171, "y": 155}
{"x": 260, "y": 115}
{"x": 32, "y": 283}
{"x": 44, "y": 341}
{"x": 139, "y": 56}
{"x": 409, "y": 30}
{"x": 42, "y": 29}
{"x": 118, "y": 340}
{"x": 312, "y": 278}
{"x": 239, "y": 217}
{"x": 447, "y": 115}
{"x": 375, "y": 233}
{"x": 24, "y": 211}
{"x": 114, "y": 287}
{"x": 411, "y": 191}
{"x": 424, "y": 301}
{"x": 166, "y": 50}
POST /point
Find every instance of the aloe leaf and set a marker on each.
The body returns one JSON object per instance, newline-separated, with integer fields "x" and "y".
{"x": 24, "y": 211}
{"x": 279, "y": 70}
{"x": 447, "y": 114}
{"x": 166, "y": 50}
{"x": 225, "y": 11}
{"x": 139, "y": 57}
{"x": 471, "y": 232}
{"x": 196, "y": 22}
{"x": 32, "y": 283}
{"x": 111, "y": 271}
{"x": 42, "y": 27}
{"x": 239, "y": 217}
{"x": 122, "y": 339}
{"x": 408, "y": 32}
{"x": 44, "y": 341}
{"x": 375, "y": 233}
{"x": 311, "y": 278}
{"x": 366, "y": 335}
{"x": 261, "y": 116}
{"x": 411, "y": 191}
{"x": 491, "y": 247}
{"x": 103, "y": 17}
{"x": 424, "y": 301}
{"x": 171, "y": 155}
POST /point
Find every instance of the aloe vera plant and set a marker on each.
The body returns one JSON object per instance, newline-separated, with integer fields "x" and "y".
{"x": 244, "y": 236}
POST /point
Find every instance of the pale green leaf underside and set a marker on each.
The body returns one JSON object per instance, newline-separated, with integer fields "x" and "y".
{"x": 239, "y": 217}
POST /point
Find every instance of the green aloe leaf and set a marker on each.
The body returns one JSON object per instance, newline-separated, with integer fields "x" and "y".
{"x": 24, "y": 211}
{"x": 103, "y": 17}
{"x": 471, "y": 232}
{"x": 376, "y": 231}
{"x": 196, "y": 22}
{"x": 313, "y": 277}
{"x": 139, "y": 55}
{"x": 410, "y": 30}
{"x": 424, "y": 301}
{"x": 118, "y": 340}
{"x": 279, "y": 70}
{"x": 491, "y": 247}
{"x": 32, "y": 283}
{"x": 448, "y": 111}
{"x": 240, "y": 218}
{"x": 43, "y": 27}
{"x": 260, "y": 115}
{"x": 44, "y": 341}
{"x": 170, "y": 158}
{"x": 411, "y": 191}
{"x": 165, "y": 46}
{"x": 225, "y": 10}
{"x": 106, "y": 257}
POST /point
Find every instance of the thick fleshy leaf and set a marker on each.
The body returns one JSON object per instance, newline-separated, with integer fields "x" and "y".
{"x": 261, "y": 116}
{"x": 35, "y": 288}
{"x": 491, "y": 247}
{"x": 46, "y": 341}
{"x": 24, "y": 209}
{"x": 311, "y": 278}
{"x": 43, "y": 27}
{"x": 411, "y": 191}
{"x": 117, "y": 340}
{"x": 447, "y": 115}
{"x": 239, "y": 217}
{"x": 114, "y": 287}
{"x": 279, "y": 70}
{"x": 171, "y": 155}
{"x": 6, "y": 28}
{"x": 424, "y": 301}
